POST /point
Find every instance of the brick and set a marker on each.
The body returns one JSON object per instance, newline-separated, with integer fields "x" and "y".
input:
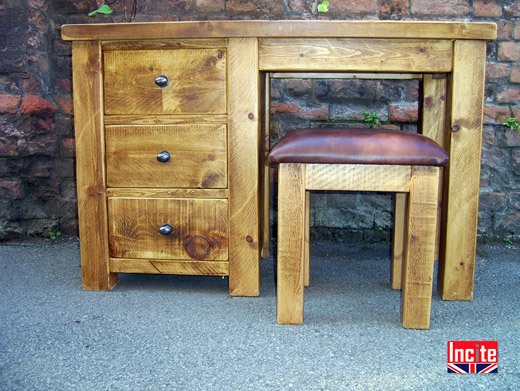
{"x": 509, "y": 95}
{"x": 342, "y": 7}
{"x": 504, "y": 30}
{"x": 7, "y": 148}
{"x": 43, "y": 125}
{"x": 489, "y": 8}
{"x": 12, "y": 190}
{"x": 516, "y": 113}
{"x": 404, "y": 113}
{"x": 515, "y": 74}
{"x": 509, "y": 51}
{"x": 394, "y": 7}
{"x": 38, "y": 21}
{"x": 496, "y": 71}
{"x": 512, "y": 10}
{"x": 440, "y": 7}
{"x": 298, "y": 6}
{"x": 40, "y": 169}
{"x": 209, "y": 5}
{"x": 290, "y": 108}
{"x": 510, "y": 225}
{"x": 44, "y": 145}
{"x": 65, "y": 103}
{"x": 39, "y": 4}
{"x": 488, "y": 135}
{"x": 495, "y": 115}
{"x": 490, "y": 201}
{"x": 256, "y": 6}
{"x": 68, "y": 147}
{"x": 9, "y": 103}
{"x": 31, "y": 85}
{"x": 514, "y": 200}
{"x": 298, "y": 87}
{"x": 34, "y": 104}
{"x": 516, "y": 157}
{"x": 63, "y": 85}
{"x": 512, "y": 138}
{"x": 516, "y": 33}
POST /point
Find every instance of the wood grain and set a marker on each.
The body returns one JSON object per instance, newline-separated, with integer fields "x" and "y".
{"x": 197, "y": 81}
{"x": 161, "y": 266}
{"x": 399, "y": 238}
{"x": 307, "y": 241}
{"x": 291, "y": 243}
{"x": 199, "y": 228}
{"x": 345, "y": 75}
{"x": 165, "y": 44}
{"x": 265, "y": 171}
{"x": 176, "y": 119}
{"x": 90, "y": 166}
{"x": 351, "y": 54}
{"x": 420, "y": 248}
{"x": 357, "y": 177}
{"x": 433, "y": 125}
{"x": 457, "y": 257}
{"x": 244, "y": 165}
{"x": 285, "y": 28}
{"x": 166, "y": 193}
{"x": 198, "y": 156}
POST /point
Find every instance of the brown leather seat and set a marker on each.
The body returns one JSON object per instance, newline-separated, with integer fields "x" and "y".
{"x": 358, "y": 146}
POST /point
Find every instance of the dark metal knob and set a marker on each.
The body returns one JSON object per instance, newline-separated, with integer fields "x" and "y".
{"x": 163, "y": 156}
{"x": 161, "y": 81}
{"x": 166, "y": 229}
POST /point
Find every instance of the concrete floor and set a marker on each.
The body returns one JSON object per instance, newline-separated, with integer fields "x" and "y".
{"x": 157, "y": 332}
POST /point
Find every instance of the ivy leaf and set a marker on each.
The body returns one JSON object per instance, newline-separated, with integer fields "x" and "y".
{"x": 323, "y": 7}
{"x": 105, "y": 10}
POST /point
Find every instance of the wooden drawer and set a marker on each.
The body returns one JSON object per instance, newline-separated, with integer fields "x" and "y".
{"x": 198, "y": 156}
{"x": 199, "y": 228}
{"x": 196, "y": 81}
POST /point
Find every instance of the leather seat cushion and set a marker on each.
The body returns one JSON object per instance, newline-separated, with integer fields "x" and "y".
{"x": 358, "y": 146}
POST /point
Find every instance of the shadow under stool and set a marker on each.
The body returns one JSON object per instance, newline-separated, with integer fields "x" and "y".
{"x": 358, "y": 160}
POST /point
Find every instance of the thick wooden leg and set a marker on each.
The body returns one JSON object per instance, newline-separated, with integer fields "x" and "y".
{"x": 266, "y": 177}
{"x": 434, "y": 126}
{"x": 400, "y": 231}
{"x": 90, "y": 166}
{"x": 291, "y": 243}
{"x": 307, "y": 252}
{"x": 461, "y": 194}
{"x": 244, "y": 166}
{"x": 420, "y": 248}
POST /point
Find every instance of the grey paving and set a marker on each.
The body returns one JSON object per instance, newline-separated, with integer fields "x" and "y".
{"x": 186, "y": 333}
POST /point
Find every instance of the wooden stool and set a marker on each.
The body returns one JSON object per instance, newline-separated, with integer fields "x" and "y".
{"x": 358, "y": 160}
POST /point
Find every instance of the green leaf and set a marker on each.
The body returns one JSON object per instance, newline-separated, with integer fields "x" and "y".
{"x": 105, "y": 10}
{"x": 323, "y": 7}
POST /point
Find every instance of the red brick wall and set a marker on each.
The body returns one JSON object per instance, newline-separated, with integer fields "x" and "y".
{"x": 37, "y": 191}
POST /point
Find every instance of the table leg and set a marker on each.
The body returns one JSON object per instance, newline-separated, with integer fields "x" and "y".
{"x": 461, "y": 192}
{"x": 291, "y": 242}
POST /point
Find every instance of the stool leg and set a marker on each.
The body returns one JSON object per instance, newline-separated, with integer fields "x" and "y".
{"x": 291, "y": 242}
{"x": 420, "y": 248}
{"x": 307, "y": 254}
{"x": 400, "y": 231}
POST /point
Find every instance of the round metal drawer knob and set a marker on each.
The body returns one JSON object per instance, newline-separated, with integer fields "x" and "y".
{"x": 163, "y": 156}
{"x": 161, "y": 81}
{"x": 166, "y": 229}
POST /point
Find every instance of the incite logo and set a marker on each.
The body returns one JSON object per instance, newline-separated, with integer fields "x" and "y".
{"x": 472, "y": 357}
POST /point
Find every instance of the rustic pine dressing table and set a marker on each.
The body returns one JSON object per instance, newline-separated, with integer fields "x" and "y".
{"x": 170, "y": 123}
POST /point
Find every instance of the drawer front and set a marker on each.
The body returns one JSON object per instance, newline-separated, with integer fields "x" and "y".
{"x": 196, "y": 81}
{"x": 198, "y": 228}
{"x": 197, "y": 156}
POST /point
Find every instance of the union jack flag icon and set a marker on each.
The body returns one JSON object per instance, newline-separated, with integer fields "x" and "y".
{"x": 472, "y": 368}
{"x": 472, "y": 357}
